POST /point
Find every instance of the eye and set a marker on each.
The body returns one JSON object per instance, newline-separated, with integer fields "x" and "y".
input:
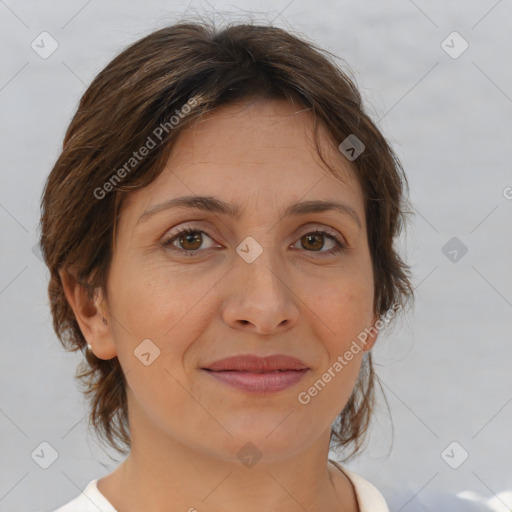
{"x": 188, "y": 238}
{"x": 313, "y": 239}
{"x": 188, "y": 241}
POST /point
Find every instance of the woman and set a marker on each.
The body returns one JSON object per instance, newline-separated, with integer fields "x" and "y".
{"x": 220, "y": 229}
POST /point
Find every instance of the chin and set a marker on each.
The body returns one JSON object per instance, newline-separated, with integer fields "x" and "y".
{"x": 269, "y": 441}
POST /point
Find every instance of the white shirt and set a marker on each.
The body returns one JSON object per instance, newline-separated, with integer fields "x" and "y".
{"x": 369, "y": 498}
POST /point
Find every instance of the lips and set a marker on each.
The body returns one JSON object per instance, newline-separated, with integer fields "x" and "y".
{"x": 255, "y": 364}
{"x": 258, "y": 374}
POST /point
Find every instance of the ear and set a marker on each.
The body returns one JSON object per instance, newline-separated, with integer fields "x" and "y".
{"x": 91, "y": 316}
{"x": 373, "y": 334}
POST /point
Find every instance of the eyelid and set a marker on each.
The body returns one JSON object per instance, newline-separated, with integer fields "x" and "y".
{"x": 312, "y": 227}
{"x": 196, "y": 225}
{"x": 322, "y": 227}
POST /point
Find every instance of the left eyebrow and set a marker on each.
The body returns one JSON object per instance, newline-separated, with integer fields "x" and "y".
{"x": 213, "y": 204}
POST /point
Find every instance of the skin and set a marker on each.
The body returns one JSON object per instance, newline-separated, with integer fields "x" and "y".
{"x": 294, "y": 299}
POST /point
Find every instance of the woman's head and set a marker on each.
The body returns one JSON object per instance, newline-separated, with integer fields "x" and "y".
{"x": 249, "y": 116}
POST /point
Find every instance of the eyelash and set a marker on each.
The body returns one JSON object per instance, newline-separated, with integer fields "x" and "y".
{"x": 167, "y": 243}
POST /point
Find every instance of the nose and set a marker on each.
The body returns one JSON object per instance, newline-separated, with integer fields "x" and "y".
{"x": 261, "y": 297}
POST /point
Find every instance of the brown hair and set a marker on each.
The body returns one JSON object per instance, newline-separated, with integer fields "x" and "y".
{"x": 141, "y": 89}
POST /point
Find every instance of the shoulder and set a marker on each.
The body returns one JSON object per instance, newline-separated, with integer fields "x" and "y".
{"x": 369, "y": 497}
{"x": 90, "y": 500}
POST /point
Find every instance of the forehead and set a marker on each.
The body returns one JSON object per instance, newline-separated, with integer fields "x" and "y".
{"x": 258, "y": 153}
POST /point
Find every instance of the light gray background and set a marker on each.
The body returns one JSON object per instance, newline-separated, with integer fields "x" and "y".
{"x": 445, "y": 367}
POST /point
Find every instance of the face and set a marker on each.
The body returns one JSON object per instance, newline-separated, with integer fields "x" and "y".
{"x": 258, "y": 283}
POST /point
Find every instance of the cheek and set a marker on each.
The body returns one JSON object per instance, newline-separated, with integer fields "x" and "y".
{"x": 329, "y": 389}
{"x": 346, "y": 309}
{"x": 159, "y": 303}
{"x": 347, "y": 313}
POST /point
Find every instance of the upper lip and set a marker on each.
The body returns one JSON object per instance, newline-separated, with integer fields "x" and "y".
{"x": 253, "y": 363}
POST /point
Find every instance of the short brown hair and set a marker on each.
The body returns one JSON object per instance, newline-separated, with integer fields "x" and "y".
{"x": 140, "y": 90}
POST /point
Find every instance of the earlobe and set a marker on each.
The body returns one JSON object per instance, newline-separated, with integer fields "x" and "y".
{"x": 91, "y": 315}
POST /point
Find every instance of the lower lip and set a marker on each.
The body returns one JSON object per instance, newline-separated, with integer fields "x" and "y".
{"x": 259, "y": 382}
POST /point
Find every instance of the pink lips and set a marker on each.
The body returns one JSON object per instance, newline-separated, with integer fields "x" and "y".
{"x": 258, "y": 374}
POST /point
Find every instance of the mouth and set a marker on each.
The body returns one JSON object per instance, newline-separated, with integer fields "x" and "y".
{"x": 259, "y": 382}
{"x": 258, "y": 374}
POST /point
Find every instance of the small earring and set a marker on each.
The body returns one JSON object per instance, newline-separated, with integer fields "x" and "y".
{"x": 105, "y": 321}
{"x": 89, "y": 347}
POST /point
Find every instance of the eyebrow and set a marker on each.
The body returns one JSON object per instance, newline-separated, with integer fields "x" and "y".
{"x": 212, "y": 204}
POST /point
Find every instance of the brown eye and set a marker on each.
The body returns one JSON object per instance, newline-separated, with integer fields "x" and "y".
{"x": 187, "y": 240}
{"x": 191, "y": 240}
{"x": 313, "y": 241}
